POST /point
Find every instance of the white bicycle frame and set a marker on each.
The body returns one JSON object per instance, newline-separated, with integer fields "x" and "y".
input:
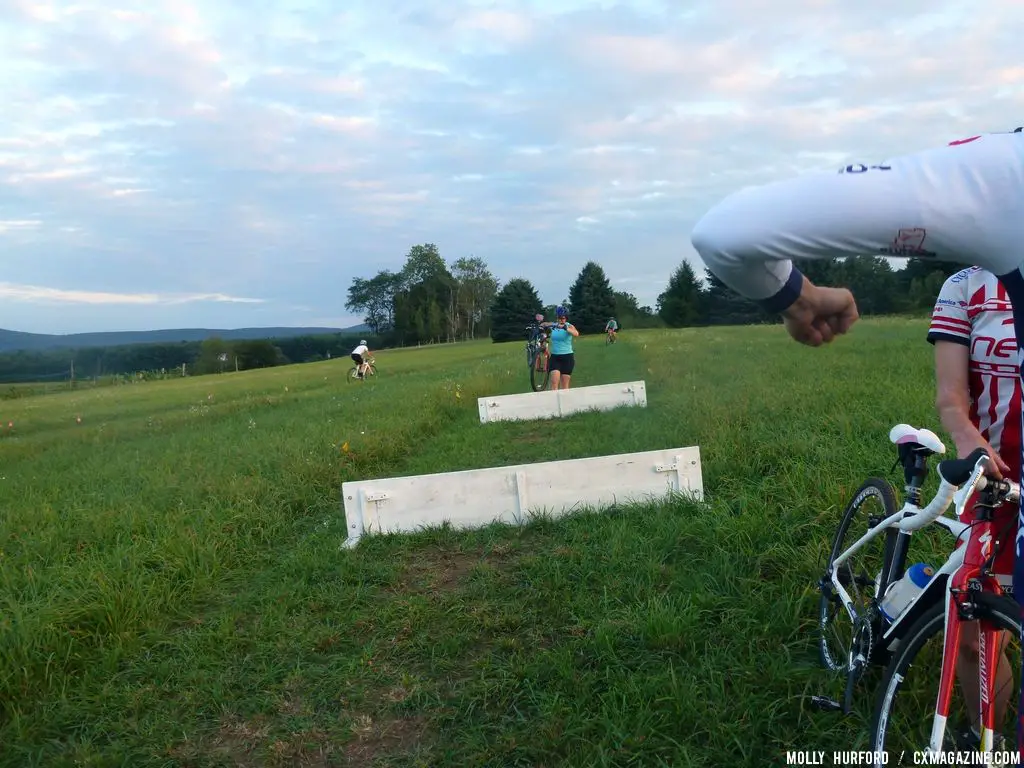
{"x": 911, "y": 518}
{"x": 363, "y": 367}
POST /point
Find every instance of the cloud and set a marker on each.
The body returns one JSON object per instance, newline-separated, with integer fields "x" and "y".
{"x": 182, "y": 149}
{"x": 39, "y": 294}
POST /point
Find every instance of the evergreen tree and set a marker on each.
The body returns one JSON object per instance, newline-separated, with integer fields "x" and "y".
{"x": 726, "y": 307}
{"x": 682, "y": 302}
{"x": 630, "y": 314}
{"x": 513, "y": 309}
{"x": 592, "y": 299}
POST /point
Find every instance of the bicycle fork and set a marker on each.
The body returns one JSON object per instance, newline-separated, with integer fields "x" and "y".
{"x": 959, "y": 608}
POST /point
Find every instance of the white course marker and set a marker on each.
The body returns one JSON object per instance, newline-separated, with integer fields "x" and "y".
{"x": 550, "y": 404}
{"x": 477, "y": 497}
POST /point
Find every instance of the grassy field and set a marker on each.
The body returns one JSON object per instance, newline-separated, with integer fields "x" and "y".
{"x": 172, "y": 591}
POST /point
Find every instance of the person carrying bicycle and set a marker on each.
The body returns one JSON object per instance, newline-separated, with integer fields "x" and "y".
{"x": 563, "y": 359}
{"x": 611, "y": 328}
{"x": 961, "y": 203}
{"x": 359, "y": 354}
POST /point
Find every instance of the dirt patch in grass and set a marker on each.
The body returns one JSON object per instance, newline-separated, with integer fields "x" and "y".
{"x": 247, "y": 744}
{"x": 376, "y": 739}
{"x": 436, "y": 569}
{"x": 236, "y": 743}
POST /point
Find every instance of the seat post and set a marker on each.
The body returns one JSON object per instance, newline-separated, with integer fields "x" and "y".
{"x": 914, "y": 459}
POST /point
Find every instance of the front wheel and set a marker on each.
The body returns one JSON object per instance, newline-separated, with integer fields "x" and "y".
{"x": 539, "y": 372}
{"x": 861, "y": 576}
{"x": 905, "y": 709}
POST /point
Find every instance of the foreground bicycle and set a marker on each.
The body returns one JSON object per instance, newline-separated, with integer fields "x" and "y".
{"x": 962, "y": 596}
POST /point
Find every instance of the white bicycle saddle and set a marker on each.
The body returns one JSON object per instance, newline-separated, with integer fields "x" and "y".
{"x": 903, "y": 434}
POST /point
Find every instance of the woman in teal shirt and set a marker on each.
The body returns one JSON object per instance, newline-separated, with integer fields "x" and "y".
{"x": 562, "y": 360}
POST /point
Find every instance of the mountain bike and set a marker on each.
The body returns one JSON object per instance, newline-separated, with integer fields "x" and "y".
{"x": 610, "y": 336}
{"x": 538, "y": 356}
{"x": 371, "y": 370}
{"x": 962, "y": 594}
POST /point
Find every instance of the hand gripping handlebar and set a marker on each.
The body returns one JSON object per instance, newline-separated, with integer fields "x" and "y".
{"x": 959, "y": 479}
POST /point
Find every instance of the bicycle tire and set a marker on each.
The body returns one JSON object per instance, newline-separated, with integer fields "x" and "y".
{"x": 539, "y": 378}
{"x": 879, "y": 489}
{"x": 1002, "y": 610}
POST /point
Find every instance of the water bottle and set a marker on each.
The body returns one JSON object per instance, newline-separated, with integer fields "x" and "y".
{"x": 904, "y": 591}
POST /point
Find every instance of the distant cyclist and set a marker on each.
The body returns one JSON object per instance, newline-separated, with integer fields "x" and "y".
{"x": 359, "y": 354}
{"x": 563, "y": 359}
{"x": 612, "y": 329}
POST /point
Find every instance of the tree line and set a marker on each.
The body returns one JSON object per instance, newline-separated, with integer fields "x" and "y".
{"x": 878, "y": 288}
{"x": 430, "y": 301}
{"x": 213, "y": 355}
{"x": 427, "y": 301}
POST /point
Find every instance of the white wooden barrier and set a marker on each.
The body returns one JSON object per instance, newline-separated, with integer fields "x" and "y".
{"x": 551, "y": 403}
{"x": 476, "y": 497}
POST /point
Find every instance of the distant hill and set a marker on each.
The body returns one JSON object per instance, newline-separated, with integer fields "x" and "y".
{"x": 13, "y": 341}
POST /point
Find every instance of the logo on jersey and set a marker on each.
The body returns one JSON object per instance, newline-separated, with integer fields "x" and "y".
{"x": 963, "y": 274}
{"x": 908, "y": 242}
{"x": 861, "y": 168}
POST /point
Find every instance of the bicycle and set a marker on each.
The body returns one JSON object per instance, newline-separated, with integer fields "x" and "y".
{"x": 371, "y": 370}
{"x": 962, "y": 591}
{"x": 538, "y": 355}
{"x": 610, "y": 336}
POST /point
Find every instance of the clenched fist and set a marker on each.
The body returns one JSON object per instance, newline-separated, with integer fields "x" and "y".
{"x": 820, "y": 314}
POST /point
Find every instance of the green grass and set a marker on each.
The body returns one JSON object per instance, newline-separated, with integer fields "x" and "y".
{"x": 172, "y": 591}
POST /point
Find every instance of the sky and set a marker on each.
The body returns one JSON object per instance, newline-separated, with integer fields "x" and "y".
{"x": 225, "y": 164}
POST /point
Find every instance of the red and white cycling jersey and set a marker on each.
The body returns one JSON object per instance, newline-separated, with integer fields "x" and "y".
{"x": 973, "y": 309}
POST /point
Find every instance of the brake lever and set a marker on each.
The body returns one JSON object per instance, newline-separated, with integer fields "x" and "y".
{"x": 963, "y": 493}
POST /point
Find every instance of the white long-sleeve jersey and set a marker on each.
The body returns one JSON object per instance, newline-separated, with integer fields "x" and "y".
{"x": 962, "y": 203}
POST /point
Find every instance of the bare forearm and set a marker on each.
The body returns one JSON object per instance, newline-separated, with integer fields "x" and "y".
{"x": 955, "y": 420}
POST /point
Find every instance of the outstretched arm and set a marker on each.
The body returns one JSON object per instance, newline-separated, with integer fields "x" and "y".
{"x": 961, "y": 203}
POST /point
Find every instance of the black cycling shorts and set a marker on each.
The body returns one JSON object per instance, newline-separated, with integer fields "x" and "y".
{"x": 562, "y": 363}
{"x": 357, "y": 358}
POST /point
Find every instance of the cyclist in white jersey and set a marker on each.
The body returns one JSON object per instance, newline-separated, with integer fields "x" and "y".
{"x": 962, "y": 203}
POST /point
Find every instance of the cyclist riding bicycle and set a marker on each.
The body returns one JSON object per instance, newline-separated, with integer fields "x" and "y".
{"x": 962, "y": 203}
{"x": 359, "y": 354}
{"x": 611, "y": 328}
